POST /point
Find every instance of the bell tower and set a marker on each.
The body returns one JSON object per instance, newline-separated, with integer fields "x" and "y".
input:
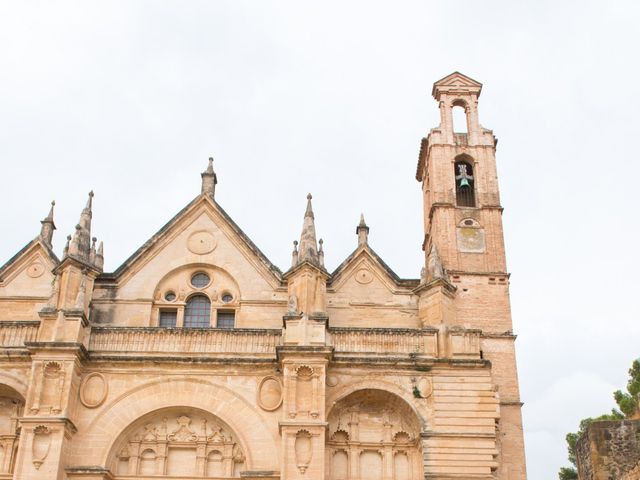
{"x": 465, "y": 281}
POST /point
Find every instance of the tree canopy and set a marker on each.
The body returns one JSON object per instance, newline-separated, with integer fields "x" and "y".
{"x": 629, "y": 404}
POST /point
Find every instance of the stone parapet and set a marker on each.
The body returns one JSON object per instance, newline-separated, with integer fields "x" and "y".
{"x": 15, "y": 334}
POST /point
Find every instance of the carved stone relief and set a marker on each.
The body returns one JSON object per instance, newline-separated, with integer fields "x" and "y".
{"x": 303, "y": 449}
{"x": 35, "y": 270}
{"x": 93, "y": 390}
{"x": 373, "y": 434}
{"x": 183, "y": 442}
{"x": 10, "y": 410}
{"x": 49, "y": 389}
{"x": 364, "y": 276}
{"x": 470, "y": 237}
{"x": 40, "y": 445}
{"x": 201, "y": 243}
{"x": 270, "y": 393}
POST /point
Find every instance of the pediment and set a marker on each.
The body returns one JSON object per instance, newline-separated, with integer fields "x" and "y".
{"x": 29, "y": 270}
{"x": 365, "y": 267}
{"x": 456, "y": 82}
{"x": 201, "y": 233}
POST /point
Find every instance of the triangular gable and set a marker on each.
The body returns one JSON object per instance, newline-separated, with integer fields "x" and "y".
{"x": 35, "y": 250}
{"x": 367, "y": 255}
{"x": 456, "y": 81}
{"x": 201, "y": 203}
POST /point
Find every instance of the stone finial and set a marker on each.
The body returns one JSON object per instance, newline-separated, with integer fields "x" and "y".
{"x": 92, "y": 252}
{"x": 294, "y": 254}
{"x": 308, "y": 250}
{"x": 66, "y": 247}
{"x": 363, "y": 232}
{"x": 321, "y": 253}
{"x": 47, "y": 228}
{"x": 435, "y": 269}
{"x": 209, "y": 180}
{"x": 99, "y": 261}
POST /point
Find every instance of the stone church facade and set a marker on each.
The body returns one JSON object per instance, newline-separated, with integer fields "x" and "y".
{"x": 198, "y": 358}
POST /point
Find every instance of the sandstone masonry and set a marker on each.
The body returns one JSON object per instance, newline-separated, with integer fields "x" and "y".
{"x": 199, "y": 358}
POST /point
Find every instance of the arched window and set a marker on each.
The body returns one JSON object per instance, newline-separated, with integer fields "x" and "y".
{"x": 197, "y": 313}
{"x": 147, "y": 465}
{"x": 465, "y": 190}
{"x": 459, "y": 118}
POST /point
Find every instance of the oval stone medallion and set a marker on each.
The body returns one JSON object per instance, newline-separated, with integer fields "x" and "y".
{"x": 269, "y": 393}
{"x": 93, "y": 390}
{"x": 201, "y": 243}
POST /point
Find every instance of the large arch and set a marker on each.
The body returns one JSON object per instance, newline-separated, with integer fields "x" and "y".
{"x": 178, "y": 441}
{"x": 11, "y": 409}
{"x": 375, "y": 434}
{"x": 336, "y": 394}
{"x": 258, "y": 443}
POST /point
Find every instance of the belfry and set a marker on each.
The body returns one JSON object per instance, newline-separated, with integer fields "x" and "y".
{"x": 199, "y": 358}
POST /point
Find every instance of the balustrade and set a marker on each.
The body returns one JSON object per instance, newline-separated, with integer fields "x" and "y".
{"x": 15, "y": 334}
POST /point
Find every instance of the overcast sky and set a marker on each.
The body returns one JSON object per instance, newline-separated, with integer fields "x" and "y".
{"x": 130, "y": 98}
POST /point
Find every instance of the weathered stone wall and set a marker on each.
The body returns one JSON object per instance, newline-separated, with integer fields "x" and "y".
{"x": 610, "y": 450}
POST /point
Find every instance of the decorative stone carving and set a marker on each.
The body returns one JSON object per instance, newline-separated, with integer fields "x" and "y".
{"x": 332, "y": 380}
{"x": 363, "y": 421}
{"x": 35, "y": 270}
{"x": 201, "y": 243}
{"x": 183, "y": 433}
{"x": 470, "y": 237}
{"x": 425, "y": 387}
{"x": 270, "y": 393}
{"x": 292, "y": 305}
{"x": 94, "y": 390}
{"x": 48, "y": 395}
{"x": 304, "y": 450}
{"x": 40, "y": 445}
{"x": 179, "y": 442}
{"x": 364, "y": 276}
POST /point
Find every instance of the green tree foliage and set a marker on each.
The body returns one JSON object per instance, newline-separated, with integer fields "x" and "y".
{"x": 629, "y": 404}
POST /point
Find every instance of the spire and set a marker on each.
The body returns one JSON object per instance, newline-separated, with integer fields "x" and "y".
{"x": 363, "y": 232}
{"x": 209, "y": 180}
{"x": 308, "y": 250}
{"x": 80, "y": 245}
{"x": 47, "y": 228}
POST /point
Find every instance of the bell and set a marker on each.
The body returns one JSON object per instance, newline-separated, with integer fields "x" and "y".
{"x": 464, "y": 182}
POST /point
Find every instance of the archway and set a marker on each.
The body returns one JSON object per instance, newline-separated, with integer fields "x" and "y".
{"x": 373, "y": 434}
{"x": 11, "y": 408}
{"x": 177, "y": 442}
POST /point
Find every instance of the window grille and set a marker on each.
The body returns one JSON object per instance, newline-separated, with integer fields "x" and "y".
{"x": 226, "y": 319}
{"x": 168, "y": 318}
{"x": 197, "y": 312}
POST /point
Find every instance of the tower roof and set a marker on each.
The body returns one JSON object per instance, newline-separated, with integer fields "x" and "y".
{"x": 456, "y": 83}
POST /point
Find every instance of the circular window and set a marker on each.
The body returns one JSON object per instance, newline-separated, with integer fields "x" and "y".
{"x": 169, "y": 296}
{"x": 200, "y": 280}
{"x": 468, "y": 222}
{"x": 227, "y": 297}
